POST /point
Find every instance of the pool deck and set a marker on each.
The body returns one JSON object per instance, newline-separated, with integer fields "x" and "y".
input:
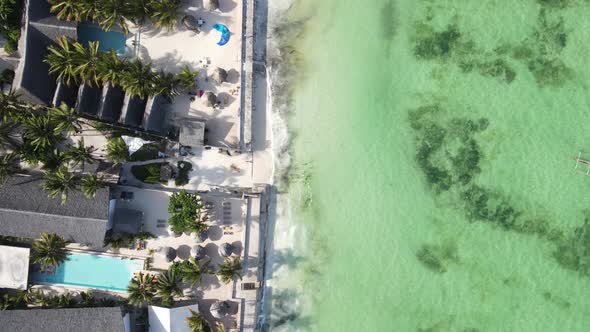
{"x": 242, "y": 230}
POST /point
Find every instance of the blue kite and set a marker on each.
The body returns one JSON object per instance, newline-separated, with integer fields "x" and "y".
{"x": 224, "y": 33}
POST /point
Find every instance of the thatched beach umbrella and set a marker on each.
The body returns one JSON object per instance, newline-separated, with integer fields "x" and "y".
{"x": 190, "y": 22}
{"x": 219, "y": 309}
{"x": 198, "y": 251}
{"x": 203, "y": 235}
{"x": 226, "y": 249}
{"x": 169, "y": 253}
{"x": 210, "y": 99}
{"x": 219, "y": 75}
{"x": 211, "y": 5}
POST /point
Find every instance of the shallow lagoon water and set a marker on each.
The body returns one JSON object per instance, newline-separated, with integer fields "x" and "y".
{"x": 376, "y": 245}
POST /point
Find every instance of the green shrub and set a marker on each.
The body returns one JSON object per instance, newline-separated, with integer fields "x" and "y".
{"x": 184, "y": 168}
{"x": 148, "y": 173}
{"x": 145, "y": 153}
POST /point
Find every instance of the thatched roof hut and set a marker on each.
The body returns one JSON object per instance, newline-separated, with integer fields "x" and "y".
{"x": 219, "y": 75}
{"x": 210, "y": 99}
{"x": 211, "y": 5}
{"x": 226, "y": 249}
{"x": 219, "y": 309}
{"x": 203, "y": 236}
{"x": 198, "y": 251}
{"x": 169, "y": 253}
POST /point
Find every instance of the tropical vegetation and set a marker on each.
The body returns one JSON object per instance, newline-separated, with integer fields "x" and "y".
{"x": 191, "y": 270}
{"x": 230, "y": 269}
{"x": 90, "y": 185}
{"x": 197, "y": 323}
{"x": 168, "y": 286}
{"x": 147, "y": 173}
{"x": 49, "y": 250}
{"x": 59, "y": 183}
{"x": 141, "y": 289}
{"x": 186, "y": 211}
{"x": 117, "y": 150}
{"x": 74, "y": 64}
{"x": 111, "y": 13}
{"x": 80, "y": 154}
{"x": 10, "y": 21}
{"x": 35, "y": 298}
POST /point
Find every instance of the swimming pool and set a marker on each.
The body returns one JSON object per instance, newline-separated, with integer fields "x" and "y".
{"x": 92, "y": 271}
{"x": 108, "y": 40}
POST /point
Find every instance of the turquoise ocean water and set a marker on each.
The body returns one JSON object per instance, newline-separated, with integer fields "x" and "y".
{"x": 432, "y": 185}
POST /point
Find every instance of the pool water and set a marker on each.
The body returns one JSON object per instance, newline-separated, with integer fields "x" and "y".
{"x": 92, "y": 271}
{"x": 108, "y": 40}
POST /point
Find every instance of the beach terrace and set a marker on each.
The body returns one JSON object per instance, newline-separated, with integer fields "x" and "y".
{"x": 171, "y": 51}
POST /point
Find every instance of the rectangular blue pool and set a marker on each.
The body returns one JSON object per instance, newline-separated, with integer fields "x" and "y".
{"x": 107, "y": 40}
{"x": 92, "y": 271}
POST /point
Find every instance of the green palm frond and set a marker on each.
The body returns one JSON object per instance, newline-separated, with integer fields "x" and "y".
{"x": 62, "y": 60}
{"x": 80, "y": 154}
{"x": 40, "y": 132}
{"x": 197, "y": 323}
{"x": 59, "y": 183}
{"x": 138, "y": 79}
{"x": 8, "y": 166}
{"x": 168, "y": 287}
{"x": 141, "y": 289}
{"x": 229, "y": 270}
{"x": 117, "y": 150}
{"x": 68, "y": 10}
{"x": 87, "y": 62}
{"x": 111, "y": 67}
{"x": 65, "y": 118}
{"x": 50, "y": 250}
{"x": 90, "y": 184}
{"x": 164, "y": 13}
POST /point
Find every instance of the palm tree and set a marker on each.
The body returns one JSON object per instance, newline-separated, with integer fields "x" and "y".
{"x": 11, "y": 108}
{"x": 141, "y": 289}
{"x": 59, "y": 183}
{"x": 197, "y": 323}
{"x": 164, "y": 14}
{"x": 80, "y": 154}
{"x": 111, "y": 13}
{"x": 8, "y": 166}
{"x": 117, "y": 150}
{"x": 63, "y": 61}
{"x": 138, "y": 79}
{"x": 90, "y": 184}
{"x": 40, "y": 132}
{"x": 88, "y": 9}
{"x": 65, "y": 119}
{"x": 165, "y": 85}
{"x": 167, "y": 287}
{"x": 49, "y": 250}
{"x": 51, "y": 159}
{"x": 111, "y": 67}
{"x": 69, "y": 10}
{"x": 88, "y": 60}
{"x": 136, "y": 11}
{"x": 9, "y": 138}
{"x": 229, "y": 270}
{"x": 191, "y": 271}
{"x": 187, "y": 77}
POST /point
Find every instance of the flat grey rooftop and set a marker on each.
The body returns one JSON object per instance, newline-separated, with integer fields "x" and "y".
{"x": 27, "y": 211}
{"x": 63, "y": 320}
